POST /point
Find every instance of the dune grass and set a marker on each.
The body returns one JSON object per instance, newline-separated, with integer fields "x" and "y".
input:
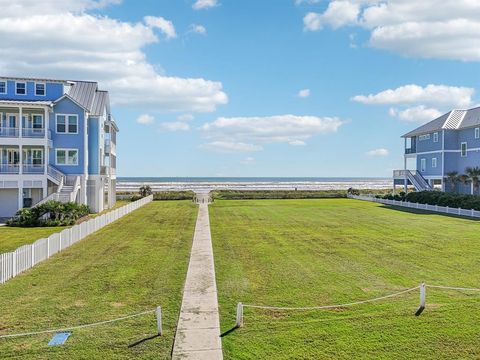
{"x": 131, "y": 266}
{"x": 316, "y": 252}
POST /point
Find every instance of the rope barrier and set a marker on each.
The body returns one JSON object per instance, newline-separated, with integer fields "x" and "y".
{"x": 331, "y": 306}
{"x": 79, "y": 326}
{"x": 452, "y": 288}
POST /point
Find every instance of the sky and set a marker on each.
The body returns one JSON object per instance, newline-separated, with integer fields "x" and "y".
{"x": 256, "y": 87}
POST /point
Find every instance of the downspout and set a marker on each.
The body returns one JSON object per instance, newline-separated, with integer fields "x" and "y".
{"x": 443, "y": 160}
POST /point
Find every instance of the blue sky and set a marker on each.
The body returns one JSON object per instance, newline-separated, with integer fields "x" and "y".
{"x": 242, "y": 114}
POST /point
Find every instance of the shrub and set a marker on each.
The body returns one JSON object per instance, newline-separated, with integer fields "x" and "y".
{"x": 173, "y": 195}
{"x": 50, "y": 213}
{"x": 453, "y": 200}
{"x": 353, "y": 191}
{"x": 145, "y": 190}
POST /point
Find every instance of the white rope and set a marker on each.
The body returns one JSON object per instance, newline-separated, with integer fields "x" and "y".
{"x": 451, "y": 288}
{"x": 77, "y": 327}
{"x": 331, "y": 306}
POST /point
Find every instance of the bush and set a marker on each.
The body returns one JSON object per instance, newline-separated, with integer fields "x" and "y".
{"x": 51, "y": 213}
{"x": 173, "y": 195}
{"x": 145, "y": 190}
{"x": 453, "y": 200}
{"x": 353, "y": 191}
{"x": 277, "y": 194}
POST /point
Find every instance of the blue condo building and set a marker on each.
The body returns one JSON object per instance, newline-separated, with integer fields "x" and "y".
{"x": 450, "y": 143}
{"x": 57, "y": 141}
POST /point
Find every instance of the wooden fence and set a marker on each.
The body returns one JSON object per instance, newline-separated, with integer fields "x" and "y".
{"x": 27, "y": 256}
{"x": 434, "y": 208}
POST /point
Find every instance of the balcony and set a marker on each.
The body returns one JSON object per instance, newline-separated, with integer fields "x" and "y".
{"x": 410, "y": 151}
{"x": 9, "y": 132}
{"x": 110, "y": 147}
{"x": 12, "y": 132}
{"x": 33, "y": 168}
{"x": 9, "y": 168}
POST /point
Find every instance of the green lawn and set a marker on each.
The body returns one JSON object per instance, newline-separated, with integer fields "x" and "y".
{"x": 13, "y": 237}
{"x": 316, "y": 252}
{"x": 133, "y": 265}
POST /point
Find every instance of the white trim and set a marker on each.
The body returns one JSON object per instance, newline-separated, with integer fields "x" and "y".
{"x": 477, "y": 133}
{"x": 466, "y": 149}
{"x": 6, "y": 87}
{"x": 66, "y": 124}
{"x": 423, "y": 165}
{"x": 435, "y": 137}
{"x": 66, "y": 156}
{"x": 16, "y": 89}
{"x": 44, "y": 88}
{"x": 434, "y": 162}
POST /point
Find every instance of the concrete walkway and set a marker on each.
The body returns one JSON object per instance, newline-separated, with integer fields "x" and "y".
{"x": 198, "y": 330}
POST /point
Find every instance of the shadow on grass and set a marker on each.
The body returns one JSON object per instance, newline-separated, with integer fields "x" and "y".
{"x": 143, "y": 340}
{"x": 426, "y": 212}
{"x": 229, "y": 331}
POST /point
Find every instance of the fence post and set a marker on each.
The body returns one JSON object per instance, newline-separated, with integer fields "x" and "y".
{"x": 33, "y": 253}
{"x": 14, "y": 263}
{"x": 239, "y": 322}
{"x": 423, "y": 294}
{"x": 158, "y": 313}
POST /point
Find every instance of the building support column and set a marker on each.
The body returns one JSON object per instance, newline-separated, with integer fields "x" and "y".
{"x": 20, "y": 159}
{"x": 20, "y": 195}
{"x": 20, "y": 122}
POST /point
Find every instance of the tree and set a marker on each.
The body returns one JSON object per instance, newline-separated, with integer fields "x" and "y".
{"x": 474, "y": 175}
{"x": 452, "y": 178}
{"x": 145, "y": 190}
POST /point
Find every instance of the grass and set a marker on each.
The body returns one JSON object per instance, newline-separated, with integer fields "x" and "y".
{"x": 13, "y": 237}
{"x": 133, "y": 265}
{"x": 316, "y": 252}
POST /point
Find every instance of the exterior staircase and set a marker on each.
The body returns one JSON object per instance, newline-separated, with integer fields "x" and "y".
{"x": 414, "y": 177}
{"x": 68, "y": 187}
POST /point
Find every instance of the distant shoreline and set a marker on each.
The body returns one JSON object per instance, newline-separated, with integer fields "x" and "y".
{"x": 131, "y": 184}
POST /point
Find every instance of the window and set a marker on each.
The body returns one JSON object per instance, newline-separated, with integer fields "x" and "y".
{"x": 424, "y": 137}
{"x": 21, "y": 88}
{"x": 463, "y": 149}
{"x": 3, "y": 87}
{"x": 67, "y": 157}
{"x": 434, "y": 162}
{"x": 67, "y": 124}
{"x": 435, "y": 137}
{"x": 477, "y": 133}
{"x": 40, "y": 89}
{"x": 37, "y": 157}
{"x": 37, "y": 121}
{"x": 423, "y": 165}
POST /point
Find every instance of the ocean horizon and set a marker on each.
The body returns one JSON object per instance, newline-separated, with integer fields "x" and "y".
{"x": 252, "y": 183}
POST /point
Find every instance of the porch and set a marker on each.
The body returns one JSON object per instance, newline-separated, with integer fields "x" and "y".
{"x": 19, "y": 122}
{"x": 31, "y": 161}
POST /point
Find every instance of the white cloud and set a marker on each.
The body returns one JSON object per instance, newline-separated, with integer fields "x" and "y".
{"x": 304, "y": 93}
{"x": 248, "y": 161}
{"x": 174, "y": 126}
{"x": 440, "y": 95}
{"x": 338, "y": 13}
{"x": 419, "y": 114}
{"x": 378, "y": 153}
{"x": 230, "y": 147}
{"x": 66, "y": 42}
{"x": 204, "y": 4}
{"x": 446, "y": 29}
{"x": 185, "y": 117}
{"x": 164, "y": 25}
{"x": 290, "y": 129}
{"x": 198, "y": 29}
{"x": 145, "y": 119}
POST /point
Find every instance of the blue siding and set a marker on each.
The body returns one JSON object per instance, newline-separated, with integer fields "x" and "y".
{"x": 430, "y": 171}
{"x": 429, "y": 145}
{"x": 69, "y": 141}
{"x": 53, "y": 92}
{"x": 451, "y": 140}
{"x": 93, "y": 146}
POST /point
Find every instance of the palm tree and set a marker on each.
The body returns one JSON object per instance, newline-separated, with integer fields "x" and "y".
{"x": 452, "y": 177}
{"x": 474, "y": 175}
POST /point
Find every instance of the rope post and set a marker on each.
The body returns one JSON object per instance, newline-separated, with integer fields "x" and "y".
{"x": 158, "y": 313}
{"x": 239, "y": 322}
{"x": 423, "y": 291}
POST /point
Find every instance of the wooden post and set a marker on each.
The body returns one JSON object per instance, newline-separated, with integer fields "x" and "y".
{"x": 239, "y": 322}
{"x": 158, "y": 313}
{"x": 423, "y": 294}
{"x": 33, "y": 253}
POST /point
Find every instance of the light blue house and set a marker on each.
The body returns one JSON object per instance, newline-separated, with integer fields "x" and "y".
{"x": 57, "y": 141}
{"x": 447, "y": 144}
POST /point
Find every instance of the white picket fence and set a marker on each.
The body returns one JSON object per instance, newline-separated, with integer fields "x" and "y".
{"x": 433, "y": 208}
{"x": 27, "y": 256}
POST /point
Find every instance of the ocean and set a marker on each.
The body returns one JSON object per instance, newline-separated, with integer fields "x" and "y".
{"x": 251, "y": 183}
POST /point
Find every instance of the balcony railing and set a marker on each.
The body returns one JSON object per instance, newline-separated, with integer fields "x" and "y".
{"x": 9, "y": 168}
{"x": 410, "y": 151}
{"x": 26, "y": 132}
{"x": 110, "y": 147}
{"x": 33, "y": 133}
{"x": 8, "y": 132}
{"x": 33, "y": 168}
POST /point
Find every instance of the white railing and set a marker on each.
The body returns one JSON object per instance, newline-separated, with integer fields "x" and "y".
{"x": 9, "y": 131}
{"x": 427, "y": 207}
{"x": 27, "y": 256}
{"x": 55, "y": 174}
